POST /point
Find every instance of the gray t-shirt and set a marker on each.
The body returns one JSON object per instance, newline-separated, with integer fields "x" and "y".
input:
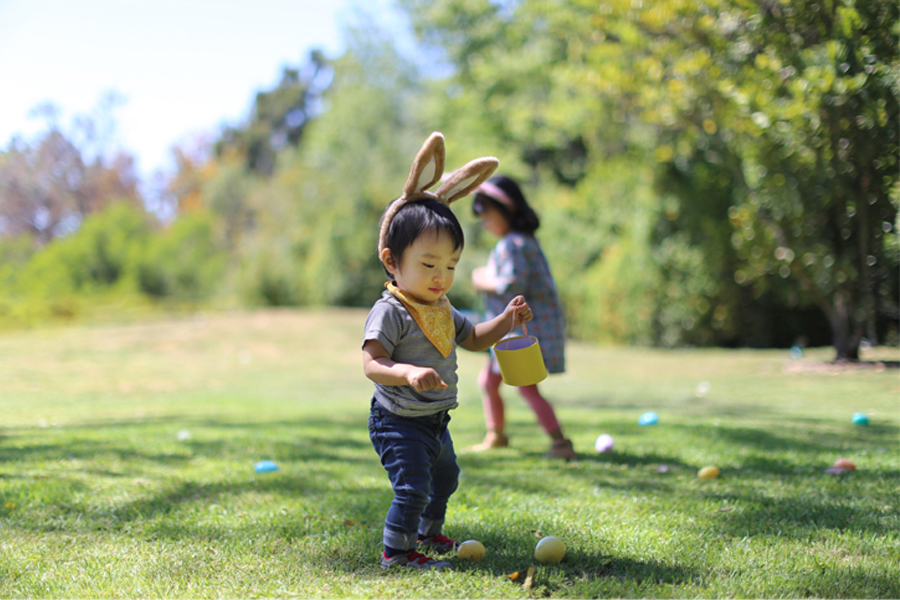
{"x": 391, "y": 324}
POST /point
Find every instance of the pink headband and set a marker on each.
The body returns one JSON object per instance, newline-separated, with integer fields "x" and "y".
{"x": 489, "y": 189}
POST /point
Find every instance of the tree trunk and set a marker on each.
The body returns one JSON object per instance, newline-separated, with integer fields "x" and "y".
{"x": 846, "y": 337}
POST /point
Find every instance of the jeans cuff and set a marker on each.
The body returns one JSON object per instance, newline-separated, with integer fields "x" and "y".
{"x": 429, "y": 527}
{"x": 398, "y": 540}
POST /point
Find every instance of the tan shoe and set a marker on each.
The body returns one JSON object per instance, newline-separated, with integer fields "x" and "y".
{"x": 562, "y": 449}
{"x": 491, "y": 441}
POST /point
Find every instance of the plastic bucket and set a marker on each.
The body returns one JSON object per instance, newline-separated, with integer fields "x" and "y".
{"x": 520, "y": 360}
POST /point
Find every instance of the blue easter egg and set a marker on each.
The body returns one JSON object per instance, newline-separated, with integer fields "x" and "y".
{"x": 648, "y": 418}
{"x": 796, "y": 352}
{"x": 860, "y": 419}
{"x": 266, "y": 466}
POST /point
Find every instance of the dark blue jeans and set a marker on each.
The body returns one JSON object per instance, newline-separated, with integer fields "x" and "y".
{"x": 417, "y": 453}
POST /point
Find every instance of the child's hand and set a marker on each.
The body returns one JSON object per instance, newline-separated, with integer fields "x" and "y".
{"x": 424, "y": 379}
{"x": 521, "y": 312}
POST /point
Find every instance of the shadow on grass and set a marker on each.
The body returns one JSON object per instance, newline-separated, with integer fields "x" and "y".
{"x": 309, "y": 440}
{"x": 585, "y": 567}
{"x": 796, "y": 516}
{"x": 171, "y": 492}
{"x": 580, "y": 569}
{"x": 316, "y": 483}
{"x": 687, "y": 403}
{"x": 778, "y": 490}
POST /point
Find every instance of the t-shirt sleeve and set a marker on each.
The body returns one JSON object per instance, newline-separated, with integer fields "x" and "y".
{"x": 463, "y": 326}
{"x": 384, "y": 325}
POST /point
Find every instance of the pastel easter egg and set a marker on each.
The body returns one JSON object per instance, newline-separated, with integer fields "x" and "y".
{"x": 709, "y": 472}
{"x": 266, "y": 466}
{"x": 550, "y": 550}
{"x": 604, "y": 443}
{"x": 471, "y": 550}
{"x": 648, "y": 418}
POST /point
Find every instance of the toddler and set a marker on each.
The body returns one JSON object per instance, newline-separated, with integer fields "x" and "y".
{"x": 409, "y": 352}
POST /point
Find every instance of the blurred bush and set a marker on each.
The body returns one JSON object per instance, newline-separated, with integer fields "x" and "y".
{"x": 183, "y": 261}
{"x": 117, "y": 256}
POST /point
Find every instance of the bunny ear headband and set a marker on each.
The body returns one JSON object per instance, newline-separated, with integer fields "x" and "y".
{"x": 427, "y": 169}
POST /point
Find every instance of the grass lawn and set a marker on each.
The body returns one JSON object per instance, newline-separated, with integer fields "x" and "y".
{"x": 127, "y": 456}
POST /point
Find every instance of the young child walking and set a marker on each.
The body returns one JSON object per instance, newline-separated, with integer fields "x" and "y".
{"x": 409, "y": 352}
{"x": 517, "y": 266}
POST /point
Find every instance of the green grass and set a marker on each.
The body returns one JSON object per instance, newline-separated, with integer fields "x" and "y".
{"x": 127, "y": 454}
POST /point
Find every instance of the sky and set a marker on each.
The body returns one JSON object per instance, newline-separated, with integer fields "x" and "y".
{"x": 184, "y": 67}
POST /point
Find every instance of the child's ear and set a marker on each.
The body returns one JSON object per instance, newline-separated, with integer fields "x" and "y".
{"x": 387, "y": 259}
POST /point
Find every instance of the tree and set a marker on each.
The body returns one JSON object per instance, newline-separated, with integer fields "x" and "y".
{"x": 49, "y": 186}
{"x": 510, "y": 75}
{"x": 279, "y": 116}
{"x": 796, "y": 105}
{"x": 316, "y": 218}
{"x": 784, "y": 116}
{"x": 819, "y": 186}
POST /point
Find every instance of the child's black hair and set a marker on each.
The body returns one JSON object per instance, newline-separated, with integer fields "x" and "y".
{"x": 521, "y": 217}
{"x": 416, "y": 218}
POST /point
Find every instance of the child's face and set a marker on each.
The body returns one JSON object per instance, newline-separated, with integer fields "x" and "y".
{"x": 427, "y": 267}
{"x": 494, "y": 221}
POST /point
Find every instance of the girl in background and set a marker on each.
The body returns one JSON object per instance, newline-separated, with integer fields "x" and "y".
{"x": 517, "y": 266}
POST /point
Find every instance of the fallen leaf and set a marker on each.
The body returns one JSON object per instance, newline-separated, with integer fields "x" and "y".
{"x": 529, "y": 578}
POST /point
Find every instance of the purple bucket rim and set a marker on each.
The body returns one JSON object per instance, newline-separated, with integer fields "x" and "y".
{"x": 506, "y": 341}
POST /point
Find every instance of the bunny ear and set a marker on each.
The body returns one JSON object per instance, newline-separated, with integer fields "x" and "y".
{"x": 428, "y": 166}
{"x": 427, "y": 169}
{"x": 463, "y": 181}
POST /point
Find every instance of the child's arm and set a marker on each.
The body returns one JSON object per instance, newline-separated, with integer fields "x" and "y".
{"x": 379, "y": 367}
{"x": 484, "y": 335}
{"x": 485, "y": 281}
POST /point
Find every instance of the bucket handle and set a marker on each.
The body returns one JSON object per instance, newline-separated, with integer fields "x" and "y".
{"x": 524, "y": 328}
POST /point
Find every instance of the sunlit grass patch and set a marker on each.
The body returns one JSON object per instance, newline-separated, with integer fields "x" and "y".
{"x": 127, "y": 458}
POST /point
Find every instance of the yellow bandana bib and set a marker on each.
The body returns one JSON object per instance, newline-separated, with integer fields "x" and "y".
{"x": 435, "y": 321}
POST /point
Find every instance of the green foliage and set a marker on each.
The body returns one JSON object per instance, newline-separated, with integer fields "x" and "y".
{"x": 772, "y": 131}
{"x": 279, "y": 117}
{"x": 795, "y": 107}
{"x": 707, "y": 173}
{"x": 269, "y": 276}
{"x": 607, "y": 279}
{"x": 316, "y": 221}
{"x": 100, "y": 255}
{"x": 227, "y": 195}
{"x": 511, "y": 84}
{"x": 184, "y": 260}
{"x": 94, "y": 264}
{"x": 15, "y": 251}
{"x": 117, "y": 256}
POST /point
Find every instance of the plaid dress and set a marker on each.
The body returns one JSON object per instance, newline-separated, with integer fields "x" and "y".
{"x": 519, "y": 265}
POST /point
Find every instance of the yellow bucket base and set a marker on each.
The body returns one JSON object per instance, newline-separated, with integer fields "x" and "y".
{"x": 520, "y": 360}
